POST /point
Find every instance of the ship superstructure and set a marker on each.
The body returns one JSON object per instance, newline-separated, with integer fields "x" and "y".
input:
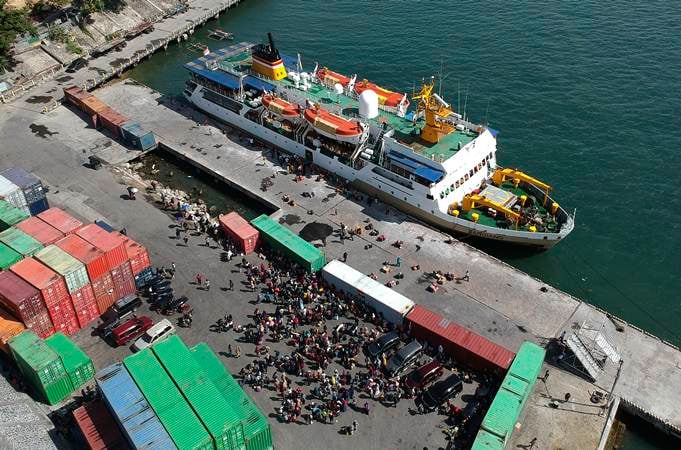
{"x": 428, "y": 160}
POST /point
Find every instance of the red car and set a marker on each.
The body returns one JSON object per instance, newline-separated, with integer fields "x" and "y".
{"x": 424, "y": 375}
{"x": 131, "y": 329}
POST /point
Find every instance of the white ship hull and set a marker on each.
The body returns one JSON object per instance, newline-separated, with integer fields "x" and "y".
{"x": 385, "y": 189}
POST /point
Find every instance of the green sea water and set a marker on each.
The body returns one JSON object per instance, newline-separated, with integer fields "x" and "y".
{"x": 586, "y": 95}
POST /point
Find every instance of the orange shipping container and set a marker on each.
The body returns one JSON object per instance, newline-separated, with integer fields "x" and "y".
{"x": 92, "y": 105}
{"x": 112, "y": 121}
{"x": 9, "y": 327}
{"x": 240, "y": 231}
{"x": 75, "y": 95}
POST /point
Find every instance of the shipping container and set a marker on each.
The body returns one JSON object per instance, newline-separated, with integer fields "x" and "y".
{"x": 30, "y": 185}
{"x": 60, "y": 220}
{"x": 67, "y": 266}
{"x": 137, "y": 254}
{"x": 487, "y": 441}
{"x": 54, "y": 292}
{"x": 75, "y": 96}
{"x": 130, "y": 409}
{"x": 92, "y": 105}
{"x": 466, "y": 346}
{"x": 392, "y": 305}
{"x": 172, "y": 409}
{"x": 40, "y": 231}
{"x": 93, "y": 258}
{"x": 257, "y": 433}
{"x": 26, "y": 303}
{"x": 123, "y": 280}
{"x": 289, "y": 244}
{"x": 528, "y": 362}
{"x": 41, "y": 366}
{"x": 217, "y": 416}
{"x": 8, "y": 256}
{"x": 142, "y": 278}
{"x": 99, "y": 428}
{"x": 137, "y": 137}
{"x": 105, "y": 292}
{"x": 85, "y": 305}
{"x": 112, "y": 121}
{"x": 240, "y": 231}
{"x": 111, "y": 244}
{"x": 38, "y": 206}
{"x": 10, "y": 215}
{"x": 10, "y": 326}
{"x": 20, "y": 242}
{"x": 77, "y": 364}
{"x": 13, "y": 194}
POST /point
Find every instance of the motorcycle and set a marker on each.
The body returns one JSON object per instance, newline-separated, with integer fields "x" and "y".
{"x": 185, "y": 321}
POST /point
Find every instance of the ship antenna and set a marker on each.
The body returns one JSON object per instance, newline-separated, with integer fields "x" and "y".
{"x": 458, "y": 95}
{"x": 465, "y": 103}
{"x": 486, "y": 111}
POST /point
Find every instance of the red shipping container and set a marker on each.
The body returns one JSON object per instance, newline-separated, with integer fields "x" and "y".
{"x": 85, "y": 305}
{"x": 99, "y": 428}
{"x": 124, "y": 280}
{"x": 112, "y": 120}
{"x": 39, "y": 230}
{"x": 75, "y": 95}
{"x": 466, "y": 346}
{"x": 93, "y": 258}
{"x": 53, "y": 289}
{"x": 240, "y": 231}
{"x": 109, "y": 243}
{"x": 137, "y": 254}
{"x": 105, "y": 292}
{"x": 26, "y": 303}
{"x": 60, "y": 220}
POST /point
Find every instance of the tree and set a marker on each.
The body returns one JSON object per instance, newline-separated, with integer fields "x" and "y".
{"x": 13, "y": 22}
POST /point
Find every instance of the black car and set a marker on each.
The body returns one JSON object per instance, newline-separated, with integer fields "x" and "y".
{"x": 383, "y": 344}
{"x": 404, "y": 358}
{"x": 126, "y": 305}
{"x": 442, "y": 391}
{"x": 76, "y": 65}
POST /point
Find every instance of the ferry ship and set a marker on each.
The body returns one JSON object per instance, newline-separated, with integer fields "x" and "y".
{"x": 425, "y": 159}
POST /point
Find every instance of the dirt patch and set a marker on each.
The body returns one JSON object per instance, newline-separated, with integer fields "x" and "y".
{"x": 316, "y": 231}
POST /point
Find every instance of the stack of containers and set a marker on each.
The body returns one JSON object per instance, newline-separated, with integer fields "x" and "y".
{"x": 42, "y": 367}
{"x": 54, "y": 292}
{"x": 215, "y": 413}
{"x": 96, "y": 266}
{"x": 8, "y": 257}
{"x": 140, "y": 264}
{"x": 112, "y": 121}
{"x": 92, "y": 106}
{"x": 240, "y": 231}
{"x": 20, "y": 242}
{"x": 76, "y": 95}
{"x": 138, "y": 421}
{"x": 31, "y": 186}
{"x": 13, "y": 194}
{"x": 40, "y": 231}
{"x": 77, "y": 364}
{"x": 60, "y": 220}
{"x": 185, "y": 429}
{"x": 257, "y": 433}
{"x": 116, "y": 257}
{"x": 99, "y": 428}
{"x": 10, "y": 215}
{"x": 134, "y": 135}
{"x": 77, "y": 282}
{"x": 9, "y": 327}
{"x": 26, "y": 303}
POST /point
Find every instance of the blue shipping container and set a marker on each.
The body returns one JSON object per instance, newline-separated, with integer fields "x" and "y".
{"x": 127, "y": 404}
{"x": 137, "y": 137}
{"x": 30, "y": 185}
{"x": 39, "y": 206}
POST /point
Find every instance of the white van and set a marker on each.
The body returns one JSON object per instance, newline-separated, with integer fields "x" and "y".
{"x": 155, "y": 334}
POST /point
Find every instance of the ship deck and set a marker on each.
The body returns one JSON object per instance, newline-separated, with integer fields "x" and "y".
{"x": 238, "y": 59}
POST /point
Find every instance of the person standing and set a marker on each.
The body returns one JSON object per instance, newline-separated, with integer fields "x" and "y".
{"x": 467, "y": 276}
{"x": 238, "y": 352}
{"x": 207, "y": 284}
{"x": 398, "y": 261}
{"x": 231, "y": 285}
{"x": 186, "y": 240}
{"x": 345, "y": 256}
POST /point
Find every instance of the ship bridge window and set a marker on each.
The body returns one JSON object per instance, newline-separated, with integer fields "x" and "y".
{"x": 429, "y": 197}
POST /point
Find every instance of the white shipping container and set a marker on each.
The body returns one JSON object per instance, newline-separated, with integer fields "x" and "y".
{"x": 392, "y": 305}
{"x": 13, "y": 194}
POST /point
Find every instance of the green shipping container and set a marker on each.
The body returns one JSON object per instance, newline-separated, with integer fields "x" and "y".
{"x": 41, "y": 366}
{"x": 528, "y": 362}
{"x": 502, "y": 414}
{"x": 20, "y": 242}
{"x": 73, "y": 271}
{"x": 290, "y": 244}
{"x": 77, "y": 364}
{"x": 172, "y": 409}
{"x": 487, "y": 441}
{"x": 222, "y": 422}
{"x": 9, "y": 215}
{"x": 256, "y": 428}
{"x": 8, "y": 257}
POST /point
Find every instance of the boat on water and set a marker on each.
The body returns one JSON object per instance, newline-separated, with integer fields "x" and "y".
{"x": 425, "y": 159}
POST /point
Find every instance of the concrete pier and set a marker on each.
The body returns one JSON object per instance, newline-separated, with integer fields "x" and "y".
{"x": 500, "y": 302}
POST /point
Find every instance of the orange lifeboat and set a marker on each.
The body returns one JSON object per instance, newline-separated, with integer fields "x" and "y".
{"x": 333, "y": 126}
{"x": 329, "y": 77}
{"x": 385, "y": 97}
{"x": 280, "y": 106}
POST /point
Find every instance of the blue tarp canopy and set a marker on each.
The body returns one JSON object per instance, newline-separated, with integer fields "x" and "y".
{"x": 228, "y": 80}
{"x": 415, "y": 167}
{"x": 258, "y": 84}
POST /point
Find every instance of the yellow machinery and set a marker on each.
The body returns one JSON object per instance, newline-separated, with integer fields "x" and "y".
{"x": 500, "y": 175}
{"x": 435, "y": 110}
{"x": 471, "y": 201}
